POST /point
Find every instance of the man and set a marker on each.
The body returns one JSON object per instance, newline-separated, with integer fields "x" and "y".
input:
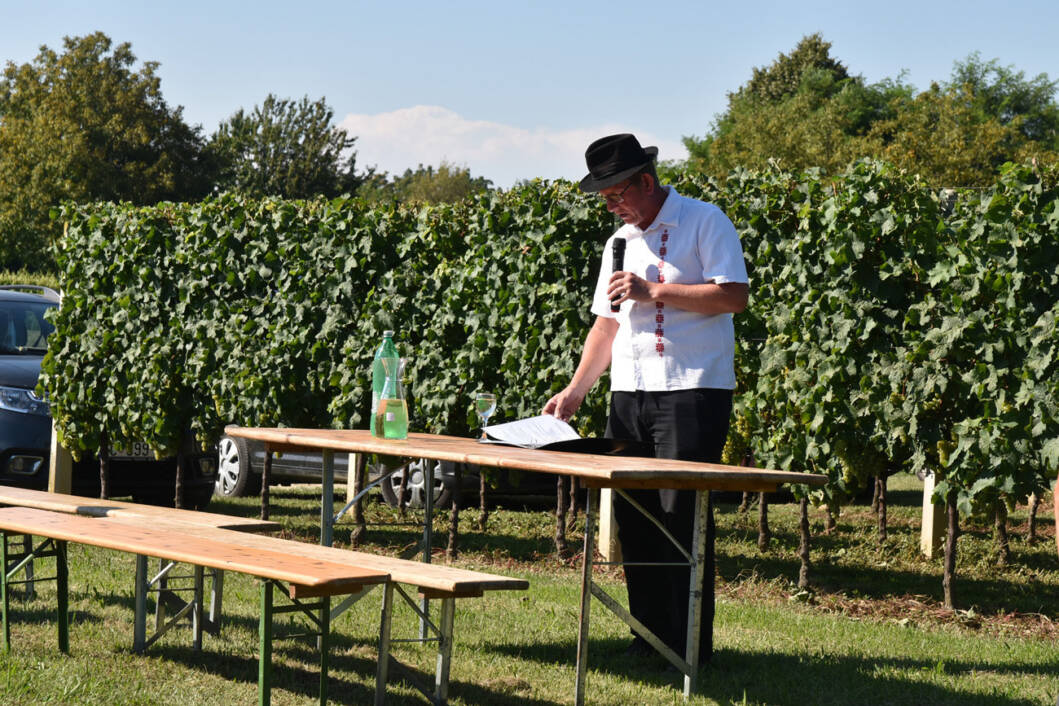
{"x": 670, "y": 351}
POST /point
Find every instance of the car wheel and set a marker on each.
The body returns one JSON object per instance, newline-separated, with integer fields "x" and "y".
{"x": 235, "y": 477}
{"x": 415, "y": 490}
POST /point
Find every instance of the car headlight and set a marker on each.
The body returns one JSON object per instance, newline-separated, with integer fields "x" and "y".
{"x": 17, "y": 399}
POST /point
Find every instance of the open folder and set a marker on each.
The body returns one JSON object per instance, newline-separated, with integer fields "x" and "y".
{"x": 552, "y": 434}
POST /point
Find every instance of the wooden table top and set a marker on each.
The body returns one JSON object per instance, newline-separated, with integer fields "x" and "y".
{"x": 283, "y": 560}
{"x": 593, "y": 470}
{"x": 95, "y": 507}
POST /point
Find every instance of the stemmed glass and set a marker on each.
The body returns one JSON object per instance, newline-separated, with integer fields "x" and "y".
{"x": 484, "y": 406}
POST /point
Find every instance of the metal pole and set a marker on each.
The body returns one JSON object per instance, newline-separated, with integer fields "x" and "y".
{"x": 196, "y": 611}
{"x": 62, "y": 588}
{"x": 264, "y": 665}
{"x": 441, "y": 674}
{"x": 698, "y": 568}
{"x": 325, "y": 645}
{"x": 327, "y": 501}
{"x": 4, "y": 600}
{"x": 31, "y": 585}
{"x": 383, "y": 667}
{"x": 586, "y": 595}
{"x": 428, "y": 538}
{"x": 139, "y": 627}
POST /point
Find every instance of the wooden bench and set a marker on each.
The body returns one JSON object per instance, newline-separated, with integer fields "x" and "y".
{"x": 95, "y": 507}
{"x": 283, "y": 563}
{"x": 169, "y": 600}
{"x": 434, "y": 581}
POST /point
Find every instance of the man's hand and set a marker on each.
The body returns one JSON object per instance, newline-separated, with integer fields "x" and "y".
{"x": 564, "y": 404}
{"x": 708, "y": 298}
{"x": 625, "y": 285}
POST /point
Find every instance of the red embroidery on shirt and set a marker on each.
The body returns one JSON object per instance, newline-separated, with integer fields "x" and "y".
{"x": 659, "y": 316}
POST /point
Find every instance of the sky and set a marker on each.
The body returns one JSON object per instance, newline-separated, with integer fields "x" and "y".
{"x": 515, "y": 90}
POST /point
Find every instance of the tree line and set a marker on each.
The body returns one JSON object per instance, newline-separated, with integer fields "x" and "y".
{"x": 807, "y": 110}
{"x": 87, "y": 124}
{"x": 90, "y": 124}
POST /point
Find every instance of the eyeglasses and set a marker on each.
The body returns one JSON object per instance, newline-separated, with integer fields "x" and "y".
{"x": 615, "y": 199}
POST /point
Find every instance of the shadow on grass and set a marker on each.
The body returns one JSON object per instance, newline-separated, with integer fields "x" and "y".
{"x": 798, "y": 679}
{"x": 738, "y": 676}
{"x": 291, "y": 644}
{"x": 989, "y": 595}
{"x": 304, "y": 679}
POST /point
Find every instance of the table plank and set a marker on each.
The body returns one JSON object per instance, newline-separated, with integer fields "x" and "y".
{"x": 95, "y": 507}
{"x": 593, "y": 469}
{"x": 175, "y": 545}
{"x": 436, "y": 577}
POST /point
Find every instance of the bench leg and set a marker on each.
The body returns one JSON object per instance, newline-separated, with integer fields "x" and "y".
{"x": 213, "y": 625}
{"x": 62, "y": 588}
{"x": 441, "y": 675}
{"x": 591, "y": 506}
{"x": 196, "y": 612}
{"x": 264, "y": 665}
{"x": 160, "y": 604}
{"x": 4, "y": 598}
{"x": 695, "y": 594}
{"x": 27, "y": 549}
{"x": 325, "y": 645}
{"x": 139, "y": 623}
{"x": 383, "y": 667}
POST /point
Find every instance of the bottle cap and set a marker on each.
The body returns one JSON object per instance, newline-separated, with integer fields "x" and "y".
{"x": 387, "y": 334}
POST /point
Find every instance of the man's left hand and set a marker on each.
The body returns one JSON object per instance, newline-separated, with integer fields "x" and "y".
{"x": 625, "y": 286}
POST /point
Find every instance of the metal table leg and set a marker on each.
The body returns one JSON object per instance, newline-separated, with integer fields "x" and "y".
{"x": 264, "y": 665}
{"x": 586, "y": 594}
{"x": 327, "y": 502}
{"x": 62, "y": 588}
{"x": 698, "y": 564}
{"x": 382, "y": 669}
{"x": 139, "y": 623}
{"x": 441, "y": 673}
{"x": 428, "y": 537}
{"x": 4, "y": 598}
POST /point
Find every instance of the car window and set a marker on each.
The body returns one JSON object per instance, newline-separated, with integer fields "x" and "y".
{"x": 23, "y": 327}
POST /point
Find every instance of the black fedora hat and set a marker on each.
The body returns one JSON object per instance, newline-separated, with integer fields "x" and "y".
{"x": 614, "y": 158}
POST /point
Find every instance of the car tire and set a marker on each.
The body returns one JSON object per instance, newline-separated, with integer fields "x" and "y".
{"x": 235, "y": 475}
{"x": 414, "y": 491}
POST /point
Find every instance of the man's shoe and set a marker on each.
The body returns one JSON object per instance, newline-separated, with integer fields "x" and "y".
{"x": 639, "y": 647}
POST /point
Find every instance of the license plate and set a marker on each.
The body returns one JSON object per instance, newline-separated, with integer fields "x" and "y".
{"x": 139, "y": 450}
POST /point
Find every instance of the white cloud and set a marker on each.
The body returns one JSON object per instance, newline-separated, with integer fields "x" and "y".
{"x": 427, "y": 134}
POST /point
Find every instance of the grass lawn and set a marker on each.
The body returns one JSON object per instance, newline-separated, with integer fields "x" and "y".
{"x": 872, "y": 630}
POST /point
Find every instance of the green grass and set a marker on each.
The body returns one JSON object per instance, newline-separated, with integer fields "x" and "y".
{"x": 872, "y": 630}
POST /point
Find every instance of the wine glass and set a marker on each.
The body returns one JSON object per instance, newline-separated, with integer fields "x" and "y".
{"x": 484, "y": 406}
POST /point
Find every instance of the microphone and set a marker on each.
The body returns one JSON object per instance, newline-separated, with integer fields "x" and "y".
{"x": 618, "y": 263}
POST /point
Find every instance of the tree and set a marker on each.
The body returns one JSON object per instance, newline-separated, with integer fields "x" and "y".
{"x": 1005, "y": 95}
{"x": 285, "y": 148}
{"x": 942, "y": 135}
{"x": 785, "y": 75}
{"x": 806, "y": 110}
{"x": 785, "y": 112}
{"x": 83, "y": 125}
{"x": 446, "y": 184}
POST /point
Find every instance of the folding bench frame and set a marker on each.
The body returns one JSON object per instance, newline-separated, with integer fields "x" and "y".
{"x": 318, "y": 610}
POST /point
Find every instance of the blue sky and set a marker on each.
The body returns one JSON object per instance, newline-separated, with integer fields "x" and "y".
{"x": 514, "y": 90}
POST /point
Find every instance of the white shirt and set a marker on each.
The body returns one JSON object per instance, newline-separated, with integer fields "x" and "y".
{"x": 662, "y": 348}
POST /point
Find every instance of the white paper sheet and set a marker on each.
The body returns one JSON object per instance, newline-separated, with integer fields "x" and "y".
{"x": 533, "y": 432}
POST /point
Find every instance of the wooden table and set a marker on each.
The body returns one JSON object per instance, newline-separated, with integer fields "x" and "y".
{"x": 593, "y": 471}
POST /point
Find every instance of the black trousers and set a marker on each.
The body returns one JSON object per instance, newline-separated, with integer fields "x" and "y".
{"x": 690, "y": 425}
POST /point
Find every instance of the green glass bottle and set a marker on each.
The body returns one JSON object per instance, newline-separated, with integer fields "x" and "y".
{"x": 386, "y": 349}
